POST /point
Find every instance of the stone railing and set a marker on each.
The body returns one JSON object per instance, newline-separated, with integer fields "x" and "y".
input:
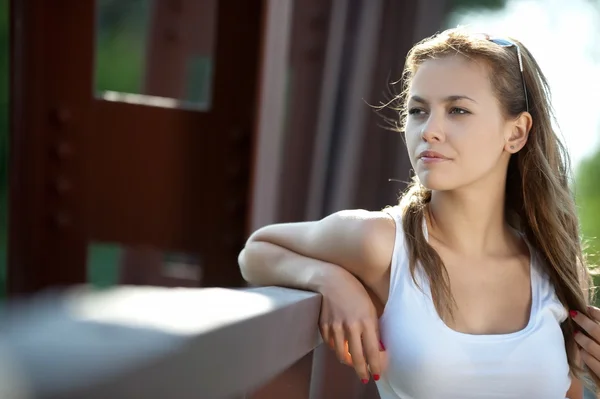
{"x": 147, "y": 342}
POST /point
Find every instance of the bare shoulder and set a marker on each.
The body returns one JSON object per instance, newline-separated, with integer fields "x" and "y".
{"x": 366, "y": 237}
{"x": 365, "y": 230}
{"x": 361, "y": 241}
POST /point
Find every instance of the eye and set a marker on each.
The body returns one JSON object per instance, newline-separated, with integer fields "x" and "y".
{"x": 458, "y": 111}
{"x": 415, "y": 111}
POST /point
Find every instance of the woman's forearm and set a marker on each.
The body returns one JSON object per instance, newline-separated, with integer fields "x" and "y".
{"x": 263, "y": 263}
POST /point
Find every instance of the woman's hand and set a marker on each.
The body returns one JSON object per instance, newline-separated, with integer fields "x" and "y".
{"x": 590, "y": 347}
{"x": 334, "y": 256}
{"x": 349, "y": 325}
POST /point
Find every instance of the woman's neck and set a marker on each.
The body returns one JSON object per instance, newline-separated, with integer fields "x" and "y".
{"x": 469, "y": 222}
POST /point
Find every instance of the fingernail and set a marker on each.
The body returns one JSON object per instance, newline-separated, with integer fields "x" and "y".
{"x": 576, "y": 332}
{"x": 381, "y": 346}
{"x": 364, "y": 381}
{"x": 376, "y": 377}
{"x": 572, "y": 313}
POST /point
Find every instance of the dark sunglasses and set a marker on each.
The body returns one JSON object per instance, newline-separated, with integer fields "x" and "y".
{"x": 509, "y": 43}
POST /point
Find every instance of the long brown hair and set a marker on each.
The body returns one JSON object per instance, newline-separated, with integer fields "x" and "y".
{"x": 539, "y": 201}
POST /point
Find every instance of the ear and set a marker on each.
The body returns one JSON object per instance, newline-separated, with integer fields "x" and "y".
{"x": 518, "y": 132}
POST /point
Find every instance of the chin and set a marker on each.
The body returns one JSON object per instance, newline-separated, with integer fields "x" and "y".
{"x": 436, "y": 181}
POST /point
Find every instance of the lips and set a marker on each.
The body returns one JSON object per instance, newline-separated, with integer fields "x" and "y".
{"x": 432, "y": 155}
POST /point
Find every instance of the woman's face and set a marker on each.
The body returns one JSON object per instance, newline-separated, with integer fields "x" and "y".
{"x": 456, "y": 133}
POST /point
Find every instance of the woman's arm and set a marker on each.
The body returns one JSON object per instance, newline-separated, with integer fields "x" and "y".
{"x": 358, "y": 241}
{"x": 341, "y": 257}
{"x": 264, "y": 263}
{"x": 576, "y": 389}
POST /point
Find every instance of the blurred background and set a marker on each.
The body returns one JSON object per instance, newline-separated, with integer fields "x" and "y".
{"x": 142, "y": 141}
{"x": 126, "y": 196}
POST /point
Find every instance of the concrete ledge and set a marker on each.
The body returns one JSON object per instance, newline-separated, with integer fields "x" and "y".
{"x": 152, "y": 342}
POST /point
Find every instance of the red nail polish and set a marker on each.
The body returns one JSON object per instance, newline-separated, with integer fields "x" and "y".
{"x": 381, "y": 346}
{"x": 572, "y": 313}
{"x": 576, "y": 332}
{"x": 364, "y": 381}
{"x": 376, "y": 377}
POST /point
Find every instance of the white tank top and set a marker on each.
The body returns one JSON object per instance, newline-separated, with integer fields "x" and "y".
{"x": 429, "y": 360}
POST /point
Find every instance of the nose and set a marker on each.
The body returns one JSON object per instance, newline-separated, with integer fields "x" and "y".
{"x": 433, "y": 130}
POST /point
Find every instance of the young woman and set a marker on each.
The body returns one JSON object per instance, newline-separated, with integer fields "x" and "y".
{"x": 464, "y": 289}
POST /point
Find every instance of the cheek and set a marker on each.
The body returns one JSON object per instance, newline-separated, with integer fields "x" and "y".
{"x": 486, "y": 141}
{"x": 412, "y": 140}
{"x": 479, "y": 152}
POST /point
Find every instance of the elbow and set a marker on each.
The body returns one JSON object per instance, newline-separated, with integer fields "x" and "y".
{"x": 257, "y": 262}
{"x": 248, "y": 260}
{"x": 243, "y": 265}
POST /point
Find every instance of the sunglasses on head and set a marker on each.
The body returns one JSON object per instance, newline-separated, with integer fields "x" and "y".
{"x": 509, "y": 43}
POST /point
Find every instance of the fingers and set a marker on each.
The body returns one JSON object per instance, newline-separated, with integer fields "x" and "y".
{"x": 355, "y": 347}
{"x": 348, "y": 358}
{"x": 325, "y": 335}
{"x": 371, "y": 348}
{"x": 339, "y": 344}
{"x": 590, "y": 326}
{"x": 590, "y": 361}
{"x": 588, "y": 345}
{"x": 590, "y": 349}
{"x": 328, "y": 333}
{"x": 594, "y": 312}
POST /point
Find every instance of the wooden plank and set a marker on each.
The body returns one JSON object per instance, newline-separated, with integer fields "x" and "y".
{"x": 50, "y": 95}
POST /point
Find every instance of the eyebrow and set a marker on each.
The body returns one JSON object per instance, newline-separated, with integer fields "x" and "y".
{"x": 448, "y": 99}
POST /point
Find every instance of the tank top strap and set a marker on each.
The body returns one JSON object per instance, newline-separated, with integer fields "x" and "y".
{"x": 543, "y": 289}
